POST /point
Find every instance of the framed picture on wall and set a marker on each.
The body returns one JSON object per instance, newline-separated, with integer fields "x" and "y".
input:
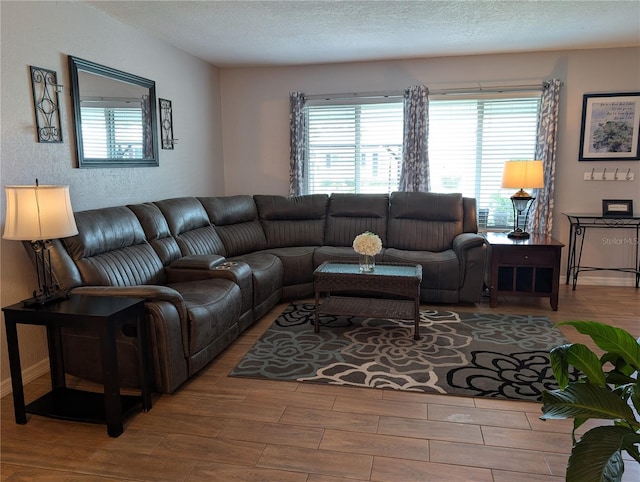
{"x": 610, "y": 127}
{"x": 617, "y": 207}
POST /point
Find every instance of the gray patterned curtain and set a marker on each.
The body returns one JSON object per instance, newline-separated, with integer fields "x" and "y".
{"x": 414, "y": 175}
{"x": 541, "y": 218}
{"x": 297, "y": 143}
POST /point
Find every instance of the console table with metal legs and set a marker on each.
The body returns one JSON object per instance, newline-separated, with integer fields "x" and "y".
{"x": 580, "y": 223}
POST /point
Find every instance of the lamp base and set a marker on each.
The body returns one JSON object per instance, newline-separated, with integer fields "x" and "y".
{"x": 518, "y": 234}
{"x": 42, "y": 300}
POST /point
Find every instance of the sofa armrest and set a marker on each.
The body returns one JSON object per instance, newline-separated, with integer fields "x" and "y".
{"x": 203, "y": 261}
{"x": 148, "y": 292}
{"x": 471, "y": 250}
{"x": 167, "y": 314}
{"x": 465, "y": 241}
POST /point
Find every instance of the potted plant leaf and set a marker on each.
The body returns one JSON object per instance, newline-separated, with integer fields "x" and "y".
{"x": 607, "y": 388}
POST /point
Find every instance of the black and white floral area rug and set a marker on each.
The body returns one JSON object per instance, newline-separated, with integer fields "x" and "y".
{"x": 469, "y": 354}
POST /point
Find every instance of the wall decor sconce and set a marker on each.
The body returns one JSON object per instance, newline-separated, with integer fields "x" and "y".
{"x": 166, "y": 124}
{"x": 45, "y": 102}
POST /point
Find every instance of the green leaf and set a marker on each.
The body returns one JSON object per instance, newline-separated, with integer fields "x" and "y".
{"x": 580, "y": 357}
{"x": 610, "y": 339}
{"x": 585, "y": 400}
{"x": 630, "y": 443}
{"x": 560, "y": 364}
{"x": 597, "y": 456}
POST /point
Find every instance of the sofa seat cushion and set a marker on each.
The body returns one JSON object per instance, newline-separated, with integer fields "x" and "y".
{"x": 297, "y": 263}
{"x": 267, "y": 272}
{"x": 213, "y": 306}
{"x": 440, "y": 271}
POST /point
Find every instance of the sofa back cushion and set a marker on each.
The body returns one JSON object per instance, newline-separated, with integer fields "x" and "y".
{"x": 235, "y": 219}
{"x": 110, "y": 249}
{"x": 352, "y": 214}
{"x": 424, "y": 221}
{"x": 292, "y": 221}
{"x": 157, "y": 231}
{"x": 189, "y": 224}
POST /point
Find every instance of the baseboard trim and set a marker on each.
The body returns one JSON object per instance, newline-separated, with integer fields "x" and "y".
{"x": 602, "y": 280}
{"x": 28, "y": 375}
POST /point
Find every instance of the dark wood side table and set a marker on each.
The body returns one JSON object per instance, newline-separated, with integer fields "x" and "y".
{"x": 100, "y": 314}
{"x": 525, "y": 267}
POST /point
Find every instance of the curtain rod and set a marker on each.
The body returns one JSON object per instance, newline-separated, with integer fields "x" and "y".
{"x": 399, "y": 93}
{"x": 488, "y": 90}
{"x": 356, "y": 95}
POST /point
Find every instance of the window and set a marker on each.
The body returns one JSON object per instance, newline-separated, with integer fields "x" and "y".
{"x": 355, "y": 148}
{"x": 358, "y": 147}
{"x": 469, "y": 141}
{"x": 112, "y": 132}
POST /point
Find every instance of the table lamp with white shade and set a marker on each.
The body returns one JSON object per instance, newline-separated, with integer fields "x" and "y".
{"x": 522, "y": 175}
{"x": 39, "y": 214}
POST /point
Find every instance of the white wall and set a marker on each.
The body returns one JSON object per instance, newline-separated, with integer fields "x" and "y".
{"x": 256, "y": 131}
{"x": 44, "y": 34}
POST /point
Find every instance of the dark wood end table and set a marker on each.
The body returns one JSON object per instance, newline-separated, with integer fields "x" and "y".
{"x": 100, "y": 314}
{"x": 399, "y": 283}
{"x": 525, "y": 267}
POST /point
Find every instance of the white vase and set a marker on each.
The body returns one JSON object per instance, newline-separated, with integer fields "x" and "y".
{"x": 367, "y": 263}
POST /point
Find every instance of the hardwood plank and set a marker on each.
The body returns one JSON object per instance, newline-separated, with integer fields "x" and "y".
{"x": 478, "y": 455}
{"x": 375, "y": 444}
{"x": 428, "y": 429}
{"x": 273, "y": 433}
{"x": 381, "y": 407}
{"x": 329, "y": 419}
{"x": 326, "y": 462}
{"x": 393, "y": 470}
{"x": 218, "y": 472}
{"x": 481, "y": 416}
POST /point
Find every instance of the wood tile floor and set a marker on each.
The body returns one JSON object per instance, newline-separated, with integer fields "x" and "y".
{"x": 217, "y": 428}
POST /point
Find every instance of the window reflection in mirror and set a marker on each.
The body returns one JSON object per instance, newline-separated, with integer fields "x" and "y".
{"x": 115, "y": 116}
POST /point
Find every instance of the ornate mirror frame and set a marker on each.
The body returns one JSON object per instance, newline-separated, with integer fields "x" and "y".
{"x": 118, "y": 93}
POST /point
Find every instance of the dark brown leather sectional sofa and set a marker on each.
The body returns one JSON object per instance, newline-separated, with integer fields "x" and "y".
{"x": 209, "y": 267}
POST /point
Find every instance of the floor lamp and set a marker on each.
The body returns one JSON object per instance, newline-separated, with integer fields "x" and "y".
{"x": 522, "y": 175}
{"x": 39, "y": 214}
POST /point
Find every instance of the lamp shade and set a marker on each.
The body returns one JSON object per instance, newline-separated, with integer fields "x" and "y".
{"x": 523, "y": 174}
{"x": 38, "y": 213}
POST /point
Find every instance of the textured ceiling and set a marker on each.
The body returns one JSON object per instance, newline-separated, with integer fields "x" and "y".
{"x": 278, "y": 32}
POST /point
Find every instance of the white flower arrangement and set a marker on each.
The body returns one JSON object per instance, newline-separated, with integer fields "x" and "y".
{"x": 367, "y": 243}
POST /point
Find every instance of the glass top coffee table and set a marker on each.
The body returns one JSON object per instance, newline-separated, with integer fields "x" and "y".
{"x": 398, "y": 285}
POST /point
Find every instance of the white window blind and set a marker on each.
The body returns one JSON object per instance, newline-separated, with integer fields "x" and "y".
{"x": 469, "y": 141}
{"x": 112, "y": 132}
{"x": 358, "y": 147}
{"x": 354, "y": 148}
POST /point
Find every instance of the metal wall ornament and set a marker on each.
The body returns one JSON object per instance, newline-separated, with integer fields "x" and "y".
{"x": 166, "y": 124}
{"x": 45, "y": 102}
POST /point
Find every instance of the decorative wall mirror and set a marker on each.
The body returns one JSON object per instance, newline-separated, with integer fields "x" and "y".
{"x": 115, "y": 116}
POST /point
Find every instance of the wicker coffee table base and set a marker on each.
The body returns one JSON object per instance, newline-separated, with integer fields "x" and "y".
{"x": 390, "y": 280}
